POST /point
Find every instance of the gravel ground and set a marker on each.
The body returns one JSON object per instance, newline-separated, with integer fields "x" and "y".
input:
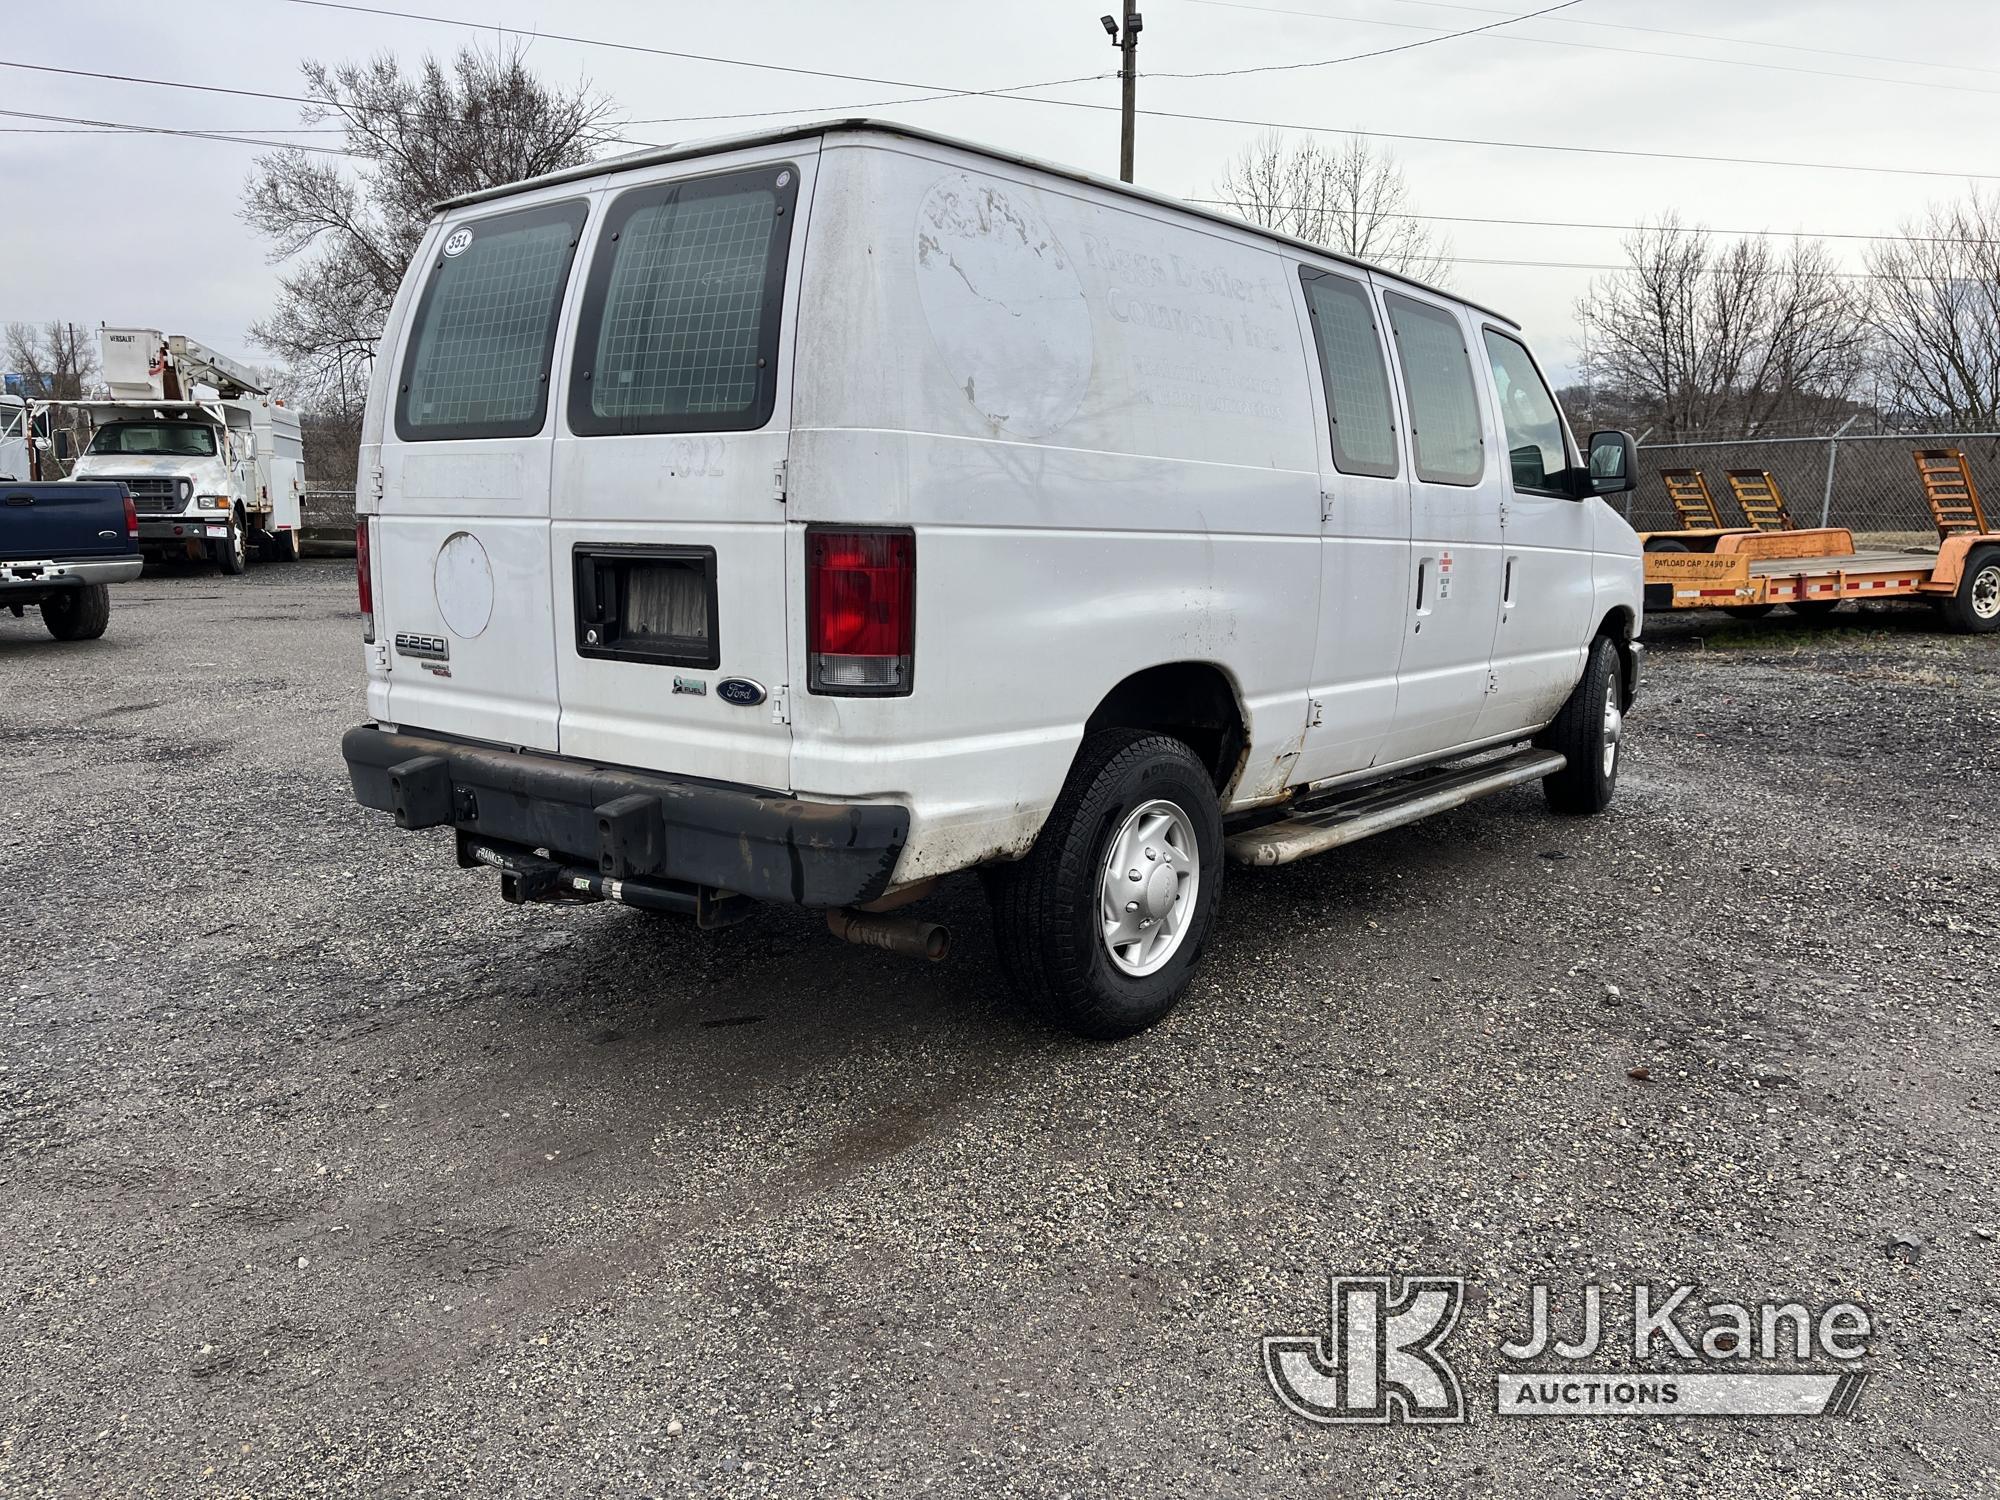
{"x": 323, "y": 1171}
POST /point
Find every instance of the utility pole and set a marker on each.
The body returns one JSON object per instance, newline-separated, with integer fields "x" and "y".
{"x": 1127, "y": 44}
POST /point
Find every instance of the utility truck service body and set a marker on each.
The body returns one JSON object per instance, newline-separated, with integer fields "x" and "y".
{"x": 16, "y": 439}
{"x": 210, "y": 473}
{"x": 806, "y": 516}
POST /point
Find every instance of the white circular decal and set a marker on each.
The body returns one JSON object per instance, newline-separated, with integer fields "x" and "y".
{"x": 463, "y": 584}
{"x": 456, "y": 241}
{"x": 1004, "y": 305}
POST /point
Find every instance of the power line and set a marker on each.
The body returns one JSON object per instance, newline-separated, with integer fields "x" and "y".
{"x": 1015, "y": 94}
{"x": 1795, "y": 234}
{"x": 1550, "y": 41}
{"x": 1327, "y": 62}
{"x": 1459, "y": 140}
{"x": 1165, "y": 114}
{"x": 1696, "y": 36}
{"x": 651, "y": 51}
{"x": 199, "y": 135}
{"x": 330, "y": 106}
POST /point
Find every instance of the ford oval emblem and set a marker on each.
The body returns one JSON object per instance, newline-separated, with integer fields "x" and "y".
{"x": 740, "y": 691}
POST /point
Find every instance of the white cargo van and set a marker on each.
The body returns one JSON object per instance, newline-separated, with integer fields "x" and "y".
{"x": 805, "y": 516}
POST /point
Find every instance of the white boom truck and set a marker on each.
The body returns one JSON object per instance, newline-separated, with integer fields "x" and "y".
{"x": 212, "y": 459}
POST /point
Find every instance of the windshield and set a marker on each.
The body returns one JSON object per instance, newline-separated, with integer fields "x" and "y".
{"x": 173, "y": 439}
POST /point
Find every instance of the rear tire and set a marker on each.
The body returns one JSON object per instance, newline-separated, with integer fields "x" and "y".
{"x": 1590, "y": 732}
{"x": 1748, "y": 611}
{"x": 281, "y": 546}
{"x": 1975, "y": 608}
{"x": 1089, "y": 948}
{"x": 232, "y": 553}
{"x": 78, "y": 614}
{"x": 1814, "y": 609}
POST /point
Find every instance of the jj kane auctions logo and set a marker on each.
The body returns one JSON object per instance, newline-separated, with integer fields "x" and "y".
{"x": 1382, "y": 1357}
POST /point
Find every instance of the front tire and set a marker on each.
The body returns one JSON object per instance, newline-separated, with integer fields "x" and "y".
{"x": 1590, "y": 732}
{"x": 232, "y": 553}
{"x": 1975, "y": 608}
{"x": 1093, "y": 949}
{"x": 78, "y": 614}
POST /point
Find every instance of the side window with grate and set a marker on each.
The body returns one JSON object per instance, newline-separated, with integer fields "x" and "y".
{"x": 679, "y": 327}
{"x": 1357, "y": 382}
{"x": 477, "y": 361}
{"x": 1445, "y": 435}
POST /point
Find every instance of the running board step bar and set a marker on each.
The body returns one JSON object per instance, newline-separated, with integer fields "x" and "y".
{"x": 1317, "y": 829}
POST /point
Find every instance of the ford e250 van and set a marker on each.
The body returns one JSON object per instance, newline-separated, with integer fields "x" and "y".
{"x": 806, "y": 516}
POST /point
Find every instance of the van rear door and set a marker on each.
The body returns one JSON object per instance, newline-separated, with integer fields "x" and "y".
{"x": 668, "y": 540}
{"x": 463, "y": 595}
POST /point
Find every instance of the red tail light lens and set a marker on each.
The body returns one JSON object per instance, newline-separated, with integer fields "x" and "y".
{"x": 364, "y": 577}
{"x": 131, "y": 518}
{"x": 861, "y": 611}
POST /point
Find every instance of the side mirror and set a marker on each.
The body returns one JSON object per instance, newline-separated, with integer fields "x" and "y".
{"x": 1614, "y": 463}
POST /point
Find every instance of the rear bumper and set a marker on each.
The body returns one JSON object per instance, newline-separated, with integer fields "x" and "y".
{"x": 626, "y": 823}
{"x": 39, "y": 577}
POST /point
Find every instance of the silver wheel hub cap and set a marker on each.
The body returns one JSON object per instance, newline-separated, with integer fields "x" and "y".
{"x": 1614, "y": 727}
{"x": 1986, "y": 593}
{"x": 1151, "y": 876}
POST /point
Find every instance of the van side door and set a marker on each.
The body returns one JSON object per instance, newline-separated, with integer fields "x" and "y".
{"x": 1364, "y": 531}
{"x": 1548, "y": 579}
{"x": 1456, "y": 499}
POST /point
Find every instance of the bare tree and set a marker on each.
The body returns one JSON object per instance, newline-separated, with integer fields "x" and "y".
{"x": 1707, "y": 336}
{"x": 56, "y": 361}
{"x": 1348, "y": 197}
{"x": 1937, "y": 315}
{"x": 477, "y": 122}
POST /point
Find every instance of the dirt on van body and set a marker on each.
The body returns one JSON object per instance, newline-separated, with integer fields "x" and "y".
{"x": 323, "y": 1171}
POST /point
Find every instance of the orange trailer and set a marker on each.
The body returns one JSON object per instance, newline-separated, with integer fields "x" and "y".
{"x": 1751, "y": 571}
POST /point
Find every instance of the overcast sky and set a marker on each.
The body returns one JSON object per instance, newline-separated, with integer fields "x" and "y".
{"x": 144, "y": 230}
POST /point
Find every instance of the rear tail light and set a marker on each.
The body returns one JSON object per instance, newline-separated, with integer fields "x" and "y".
{"x": 861, "y": 616}
{"x": 131, "y": 518}
{"x": 364, "y": 578}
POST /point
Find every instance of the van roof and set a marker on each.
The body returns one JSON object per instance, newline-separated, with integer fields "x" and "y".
{"x": 716, "y": 145}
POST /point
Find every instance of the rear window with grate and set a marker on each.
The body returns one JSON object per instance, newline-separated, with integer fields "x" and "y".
{"x": 679, "y": 327}
{"x": 484, "y": 331}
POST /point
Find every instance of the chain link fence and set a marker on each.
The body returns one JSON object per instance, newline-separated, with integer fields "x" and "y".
{"x": 1867, "y": 483}
{"x": 326, "y": 522}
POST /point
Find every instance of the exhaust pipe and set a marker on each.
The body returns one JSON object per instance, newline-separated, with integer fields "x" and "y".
{"x": 905, "y": 935}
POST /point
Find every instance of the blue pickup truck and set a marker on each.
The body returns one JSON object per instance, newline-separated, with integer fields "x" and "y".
{"x": 61, "y": 547}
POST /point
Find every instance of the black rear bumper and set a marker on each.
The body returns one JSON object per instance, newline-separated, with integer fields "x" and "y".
{"x": 626, "y": 823}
